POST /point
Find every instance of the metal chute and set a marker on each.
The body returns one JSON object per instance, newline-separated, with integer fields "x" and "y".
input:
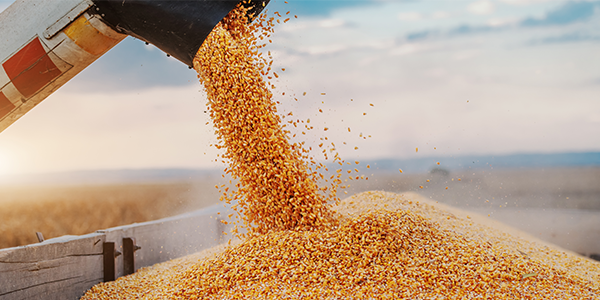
{"x": 176, "y": 27}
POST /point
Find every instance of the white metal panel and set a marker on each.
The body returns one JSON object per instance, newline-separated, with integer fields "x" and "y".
{"x": 26, "y": 18}
{"x": 66, "y": 19}
{"x": 31, "y": 20}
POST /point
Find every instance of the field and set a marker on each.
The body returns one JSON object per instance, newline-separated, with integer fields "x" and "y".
{"x": 560, "y": 205}
{"x": 73, "y": 210}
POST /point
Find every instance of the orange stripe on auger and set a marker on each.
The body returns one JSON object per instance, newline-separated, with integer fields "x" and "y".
{"x": 5, "y": 105}
{"x": 30, "y": 69}
{"x": 89, "y": 38}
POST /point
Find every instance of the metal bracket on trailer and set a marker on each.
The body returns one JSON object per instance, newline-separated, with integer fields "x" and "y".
{"x": 129, "y": 247}
{"x": 110, "y": 253}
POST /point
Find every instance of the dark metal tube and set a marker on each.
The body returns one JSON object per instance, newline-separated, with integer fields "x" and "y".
{"x": 177, "y": 27}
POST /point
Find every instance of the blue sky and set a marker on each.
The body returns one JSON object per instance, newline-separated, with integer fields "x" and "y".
{"x": 449, "y": 77}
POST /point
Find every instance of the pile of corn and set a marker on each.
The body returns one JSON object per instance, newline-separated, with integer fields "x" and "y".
{"x": 387, "y": 246}
{"x": 373, "y": 245}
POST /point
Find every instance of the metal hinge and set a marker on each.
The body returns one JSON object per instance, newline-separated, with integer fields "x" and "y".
{"x": 67, "y": 19}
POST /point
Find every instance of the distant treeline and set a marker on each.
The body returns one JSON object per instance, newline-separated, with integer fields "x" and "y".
{"x": 416, "y": 165}
{"x": 528, "y": 160}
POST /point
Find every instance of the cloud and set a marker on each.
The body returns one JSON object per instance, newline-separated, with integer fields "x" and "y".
{"x": 566, "y": 38}
{"x": 501, "y": 22}
{"x": 331, "y": 23}
{"x": 419, "y": 35}
{"x": 468, "y": 29}
{"x": 524, "y": 2}
{"x": 410, "y": 48}
{"x": 440, "y": 14}
{"x": 570, "y": 12}
{"x": 483, "y": 7}
{"x": 466, "y": 54}
{"x": 410, "y": 16}
{"x": 323, "y": 49}
{"x": 319, "y": 8}
{"x": 458, "y": 30}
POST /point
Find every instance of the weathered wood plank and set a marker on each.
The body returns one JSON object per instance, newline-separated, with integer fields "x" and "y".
{"x": 73, "y": 286}
{"x": 60, "y": 268}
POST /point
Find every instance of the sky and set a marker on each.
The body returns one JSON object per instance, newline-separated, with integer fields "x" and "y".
{"x": 450, "y": 78}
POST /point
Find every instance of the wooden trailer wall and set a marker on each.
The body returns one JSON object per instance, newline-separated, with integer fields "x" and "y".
{"x": 65, "y": 267}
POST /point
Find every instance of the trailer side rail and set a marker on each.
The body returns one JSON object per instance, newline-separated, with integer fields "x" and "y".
{"x": 67, "y": 266}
